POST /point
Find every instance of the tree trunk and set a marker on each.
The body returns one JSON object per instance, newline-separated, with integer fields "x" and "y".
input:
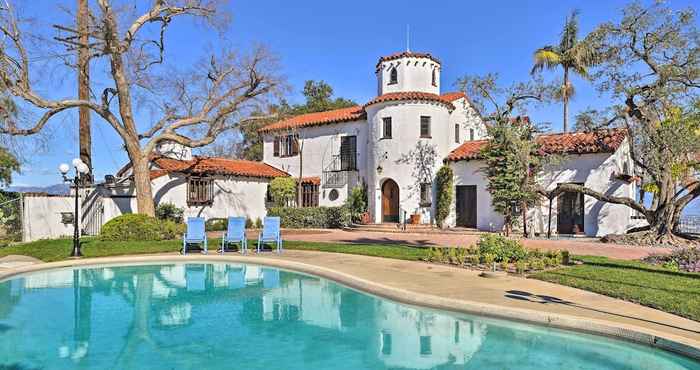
{"x": 142, "y": 182}
{"x": 565, "y": 96}
{"x": 84, "y": 87}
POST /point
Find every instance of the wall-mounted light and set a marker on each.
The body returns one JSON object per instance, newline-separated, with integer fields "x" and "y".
{"x": 380, "y": 169}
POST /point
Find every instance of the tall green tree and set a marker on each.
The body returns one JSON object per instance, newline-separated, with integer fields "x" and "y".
{"x": 319, "y": 98}
{"x": 571, "y": 55}
{"x": 652, "y": 72}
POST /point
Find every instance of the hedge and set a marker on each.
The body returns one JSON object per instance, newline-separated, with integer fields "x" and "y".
{"x": 135, "y": 227}
{"x": 312, "y": 217}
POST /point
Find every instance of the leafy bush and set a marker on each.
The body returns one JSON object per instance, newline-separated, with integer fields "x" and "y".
{"x": 283, "y": 191}
{"x": 312, "y": 217}
{"x": 169, "y": 211}
{"x": 216, "y": 224}
{"x": 537, "y": 263}
{"x": 248, "y": 223}
{"x": 683, "y": 259}
{"x": 258, "y": 223}
{"x": 520, "y": 267}
{"x": 131, "y": 227}
{"x": 357, "y": 202}
{"x": 443, "y": 189}
{"x": 488, "y": 259}
{"x": 502, "y": 248}
{"x": 171, "y": 230}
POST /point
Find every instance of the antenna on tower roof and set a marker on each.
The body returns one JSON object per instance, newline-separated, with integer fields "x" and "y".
{"x": 408, "y": 38}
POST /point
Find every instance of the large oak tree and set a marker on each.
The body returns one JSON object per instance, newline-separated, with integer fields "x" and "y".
{"x": 191, "y": 106}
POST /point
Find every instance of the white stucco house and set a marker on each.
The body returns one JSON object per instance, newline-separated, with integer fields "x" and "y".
{"x": 375, "y": 145}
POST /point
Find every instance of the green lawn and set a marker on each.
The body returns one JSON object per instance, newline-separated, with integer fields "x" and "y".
{"x": 634, "y": 281}
{"x": 666, "y": 290}
{"x": 59, "y": 249}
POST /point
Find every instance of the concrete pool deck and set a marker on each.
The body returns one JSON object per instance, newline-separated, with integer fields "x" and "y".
{"x": 456, "y": 289}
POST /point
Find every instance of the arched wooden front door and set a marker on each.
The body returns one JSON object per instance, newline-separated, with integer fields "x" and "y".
{"x": 390, "y": 201}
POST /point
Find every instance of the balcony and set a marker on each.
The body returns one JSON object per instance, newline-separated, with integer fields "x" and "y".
{"x": 335, "y": 175}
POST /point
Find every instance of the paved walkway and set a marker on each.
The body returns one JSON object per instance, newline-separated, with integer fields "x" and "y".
{"x": 461, "y": 289}
{"x": 583, "y": 247}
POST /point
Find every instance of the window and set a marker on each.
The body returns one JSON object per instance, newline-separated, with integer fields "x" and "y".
{"x": 309, "y": 195}
{"x": 268, "y": 195}
{"x": 393, "y": 76}
{"x": 386, "y": 343}
{"x": 425, "y": 127}
{"x": 386, "y": 133}
{"x": 471, "y": 134}
{"x": 426, "y": 347}
{"x": 348, "y": 153}
{"x": 286, "y": 146}
{"x": 425, "y": 194}
{"x": 457, "y": 133}
{"x": 200, "y": 191}
{"x": 434, "y": 78}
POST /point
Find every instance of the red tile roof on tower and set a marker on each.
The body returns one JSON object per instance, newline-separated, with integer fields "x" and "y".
{"x": 406, "y": 54}
{"x": 215, "y": 166}
{"x": 316, "y": 119}
{"x": 410, "y": 95}
{"x": 601, "y": 141}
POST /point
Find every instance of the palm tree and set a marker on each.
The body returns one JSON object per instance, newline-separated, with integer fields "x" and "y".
{"x": 571, "y": 55}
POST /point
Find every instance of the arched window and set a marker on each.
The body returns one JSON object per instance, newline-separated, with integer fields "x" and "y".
{"x": 434, "y": 78}
{"x": 393, "y": 76}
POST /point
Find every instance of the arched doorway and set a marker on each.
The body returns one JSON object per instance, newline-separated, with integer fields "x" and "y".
{"x": 390, "y": 201}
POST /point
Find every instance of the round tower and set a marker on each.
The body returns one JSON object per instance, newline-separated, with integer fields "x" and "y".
{"x": 408, "y": 71}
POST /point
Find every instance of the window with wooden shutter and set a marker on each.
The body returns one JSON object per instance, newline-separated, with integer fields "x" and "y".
{"x": 348, "y": 153}
{"x": 457, "y": 133}
{"x": 294, "y": 139}
{"x": 425, "y": 127}
{"x": 309, "y": 195}
{"x": 276, "y": 150}
{"x": 387, "y": 128}
{"x": 200, "y": 191}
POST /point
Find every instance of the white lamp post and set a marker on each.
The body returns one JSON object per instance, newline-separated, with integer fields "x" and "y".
{"x": 81, "y": 169}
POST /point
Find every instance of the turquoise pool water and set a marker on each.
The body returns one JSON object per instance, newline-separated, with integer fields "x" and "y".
{"x": 225, "y": 316}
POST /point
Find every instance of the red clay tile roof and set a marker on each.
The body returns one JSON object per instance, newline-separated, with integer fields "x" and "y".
{"x": 602, "y": 141}
{"x": 215, "y": 166}
{"x": 314, "y": 180}
{"x": 452, "y": 96}
{"x": 406, "y": 54}
{"x": 316, "y": 119}
{"x": 410, "y": 95}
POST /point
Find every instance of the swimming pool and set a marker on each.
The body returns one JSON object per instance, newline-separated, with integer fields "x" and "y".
{"x": 222, "y": 316}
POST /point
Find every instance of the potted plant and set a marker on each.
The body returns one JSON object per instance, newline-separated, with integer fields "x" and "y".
{"x": 415, "y": 219}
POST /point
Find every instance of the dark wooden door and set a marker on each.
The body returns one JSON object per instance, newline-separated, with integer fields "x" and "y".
{"x": 570, "y": 213}
{"x": 390, "y": 201}
{"x": 348, "y": 153}
{"x": 466, "y": 206}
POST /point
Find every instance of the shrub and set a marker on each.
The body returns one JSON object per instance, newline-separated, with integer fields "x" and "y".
{"x": 437, "y": 254}
{"x": 312, "y": 217}
{"x": 169, "y": 212}
{"x": 565, "y": 257}
{"x": 357, "y": 202}
{"x": 443, "y": 196}
{"x": 216, "y": 224}
{"x": 248, "y": 223}
{"x": 171, "y": 230}
{"x": 505, "y": 266}
{"x": 686, "y": 259}
{"x": 520, "y": 267}
{"x": 258, "y": 223}
{"x": 473, "y": 259}
{"x": 488, "y": 259}
{"x": 537, "y": 264}
{"x": 132, "y": 226}
{"x": 502, "y": 248}
{"x": 283, "y": 191}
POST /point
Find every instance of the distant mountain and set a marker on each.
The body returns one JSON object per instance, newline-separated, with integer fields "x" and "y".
{"x": 56, "y": 189}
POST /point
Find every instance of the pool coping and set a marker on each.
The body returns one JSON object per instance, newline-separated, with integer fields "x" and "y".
{"x": 668, "y": 342}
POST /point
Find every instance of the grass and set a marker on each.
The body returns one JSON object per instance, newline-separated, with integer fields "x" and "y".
{"x": 59, "y": 249}
{"x": 634, "y": 281}
{"x": 648, "y": 285}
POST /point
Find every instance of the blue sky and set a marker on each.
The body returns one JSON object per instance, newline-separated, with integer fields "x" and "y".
{"x": 340, "y": 42}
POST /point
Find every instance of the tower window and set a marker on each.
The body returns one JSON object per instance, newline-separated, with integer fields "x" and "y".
{"x": 425, "y": 127}
{"x": 471, "y": 134}
{"x": 425, "y": 194}
{"x": 434, "y": 78}
{"x": 386, "y": 134}
{"x": 393, "y": 76}
{"x": 457, "y": 133}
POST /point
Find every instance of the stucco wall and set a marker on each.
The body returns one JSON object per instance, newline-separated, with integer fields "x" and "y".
{"x": 468, "y": 119}
{"x": 405, "y": 136}
{"x": 41, "y": 217}
{"x": 595, "y": 171}
{"x": 414, "y": 74}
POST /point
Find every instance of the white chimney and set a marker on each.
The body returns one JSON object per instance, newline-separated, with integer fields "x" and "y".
{"x": 174, "y": 150}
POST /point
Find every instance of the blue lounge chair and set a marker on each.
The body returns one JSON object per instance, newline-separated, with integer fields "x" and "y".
{"x": 195, "y": 234}
{"x": 270, "y": 233}
{"x": 235, "y": 233}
